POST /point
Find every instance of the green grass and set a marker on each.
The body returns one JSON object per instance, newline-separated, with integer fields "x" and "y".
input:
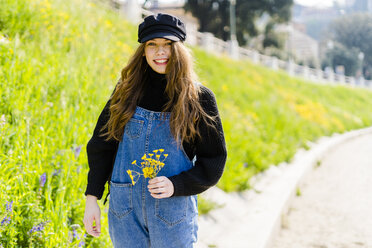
{"x": 57, "y": 71}
{"x": 206, "y": 205}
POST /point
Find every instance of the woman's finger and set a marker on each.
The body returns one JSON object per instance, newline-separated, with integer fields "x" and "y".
{"x": 155, "y": 180}
{"x": 156, "y": 185}
{"x": 157, "y": 190}
{"x": 98, "y": 224}
{"x": 88, "y": 225}
{"x": 159, "y": 196}
{"x": 161, "y": 193}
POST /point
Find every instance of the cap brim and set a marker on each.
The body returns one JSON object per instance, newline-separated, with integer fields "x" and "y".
{"x": 164, "y": 35}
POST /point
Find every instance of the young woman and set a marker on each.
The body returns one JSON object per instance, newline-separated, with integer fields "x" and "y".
{"x": 156, "y": 108}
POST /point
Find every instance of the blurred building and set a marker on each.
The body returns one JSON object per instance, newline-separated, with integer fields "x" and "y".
{"x": 300, "y": 46}
{"x": 316, "y": 20}
{"x": 361, "y": 6}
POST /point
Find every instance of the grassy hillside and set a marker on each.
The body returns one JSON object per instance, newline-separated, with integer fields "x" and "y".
{"x": 268, "y": 115}
{"x": 59, "y": 61}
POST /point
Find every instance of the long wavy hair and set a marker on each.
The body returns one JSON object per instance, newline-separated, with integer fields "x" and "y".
{"x": 183, "y": 94}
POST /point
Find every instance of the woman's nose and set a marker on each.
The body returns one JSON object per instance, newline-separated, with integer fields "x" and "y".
{"x": 161, "y": 49}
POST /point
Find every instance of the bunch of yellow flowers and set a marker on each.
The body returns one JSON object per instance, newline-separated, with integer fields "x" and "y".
{"x": 150, "y": 166}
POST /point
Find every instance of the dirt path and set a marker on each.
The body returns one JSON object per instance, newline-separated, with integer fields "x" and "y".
{"x": 334, "y": 209}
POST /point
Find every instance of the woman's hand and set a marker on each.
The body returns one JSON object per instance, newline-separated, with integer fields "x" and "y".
{"x": 92, "y": 214}
{"x": 161, "y": 187}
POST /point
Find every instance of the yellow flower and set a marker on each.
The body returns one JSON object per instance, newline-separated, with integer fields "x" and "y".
{"x": 131, "y": 176}
{"x": 143, "y": 157}
{"x": 161, "y": 150}
{"x": 134, "y": 162}
{"x": 108, "y": 24}
{"x": 148, "y": 172}
{"x": 155, "y": 151}
{"x": 165, "y": 155}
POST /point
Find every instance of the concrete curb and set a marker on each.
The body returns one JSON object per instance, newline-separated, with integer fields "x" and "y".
{"x": 251, "y": 219}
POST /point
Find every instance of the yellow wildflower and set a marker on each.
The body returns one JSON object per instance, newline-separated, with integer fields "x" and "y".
{"x": 131, "y": 176}
{"x": 148, "y": 172}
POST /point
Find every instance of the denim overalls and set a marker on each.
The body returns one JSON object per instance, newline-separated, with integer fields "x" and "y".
{"x": 136, "y": 219}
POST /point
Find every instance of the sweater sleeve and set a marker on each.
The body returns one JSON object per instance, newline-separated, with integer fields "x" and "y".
{"x": 210, "y": 152}
{"x": 101, "y": 155}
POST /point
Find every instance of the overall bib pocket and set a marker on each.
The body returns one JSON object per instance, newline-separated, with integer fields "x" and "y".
{"x": 171, "y": 210}
{"x": 134, "y": 128}
{"x": 121, "y": 203}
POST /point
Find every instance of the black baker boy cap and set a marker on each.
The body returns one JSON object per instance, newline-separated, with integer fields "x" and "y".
{"x": 161, "y": 26}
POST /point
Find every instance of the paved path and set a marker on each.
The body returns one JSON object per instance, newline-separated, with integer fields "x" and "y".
{"x": 334, "y": 209}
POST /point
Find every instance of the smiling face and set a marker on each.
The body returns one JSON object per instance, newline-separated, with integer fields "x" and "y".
{"x": 157, "y": 53}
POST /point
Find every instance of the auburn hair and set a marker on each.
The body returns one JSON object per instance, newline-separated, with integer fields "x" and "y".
{"x": 182, "y": 91}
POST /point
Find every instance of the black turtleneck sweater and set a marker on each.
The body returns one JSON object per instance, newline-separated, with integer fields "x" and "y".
{"x": 210, "y": 150}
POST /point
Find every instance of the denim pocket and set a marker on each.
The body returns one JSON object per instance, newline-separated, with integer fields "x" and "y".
{"x": 134, "y": 128}
{"x": 171, "y": 210}
{"x": 121, "y": 203}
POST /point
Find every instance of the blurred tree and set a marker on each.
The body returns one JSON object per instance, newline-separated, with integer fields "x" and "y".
{"x": 355, "y": 31}
{"x": 341, "y": 55}
{"x": 272, "y": 39}
{"x": 213, "y": 15}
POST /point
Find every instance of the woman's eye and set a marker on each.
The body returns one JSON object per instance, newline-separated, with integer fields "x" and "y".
{"x": 151, "y": 44}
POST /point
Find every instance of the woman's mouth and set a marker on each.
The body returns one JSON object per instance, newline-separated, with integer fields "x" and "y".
{"x": 161, "y": 61}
